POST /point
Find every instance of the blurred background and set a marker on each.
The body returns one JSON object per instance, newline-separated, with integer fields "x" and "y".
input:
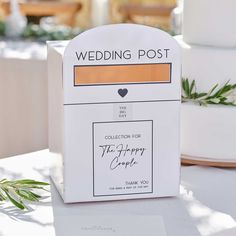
{"x": 84, "y": 14}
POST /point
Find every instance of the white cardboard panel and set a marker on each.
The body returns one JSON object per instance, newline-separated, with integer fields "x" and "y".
{"x": 115, "y": 140}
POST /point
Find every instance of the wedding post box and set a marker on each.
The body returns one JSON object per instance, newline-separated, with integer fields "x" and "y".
{"x": 114, "y": 112}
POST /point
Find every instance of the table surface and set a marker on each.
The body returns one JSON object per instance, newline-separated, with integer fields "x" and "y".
{"x": 206, "y": 204}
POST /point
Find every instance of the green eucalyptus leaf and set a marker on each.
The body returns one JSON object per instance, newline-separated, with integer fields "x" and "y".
{"x": 2, "y": 180}
{"x": 31, "y": 182}
{"x": 187, "y": 87}
{"x": 192, "y": 86}
{"x": 18, "y": 204}
{"x": 28, "y": 195}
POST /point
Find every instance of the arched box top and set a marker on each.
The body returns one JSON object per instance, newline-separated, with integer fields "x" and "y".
{"x": 102, "y": 60}
{"x": 119, "y": 35}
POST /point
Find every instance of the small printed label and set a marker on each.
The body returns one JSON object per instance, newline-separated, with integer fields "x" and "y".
{"x": 123, "y": 111}
{"x": 108, "y": 225}
{"x": 122, "y": 157}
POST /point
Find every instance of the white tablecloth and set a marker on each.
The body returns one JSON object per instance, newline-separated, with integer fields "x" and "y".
{"x": 23, "y": 97}
{"x": 206, "y": 204}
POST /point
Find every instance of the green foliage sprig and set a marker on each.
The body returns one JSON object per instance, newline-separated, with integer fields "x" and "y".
{"x": 42, "y": 34}
{"x": 2, "y": 28}
{"x": 18, "y": 192}
{"x": 36, "y": 32}
{"x": 224, "y": 95}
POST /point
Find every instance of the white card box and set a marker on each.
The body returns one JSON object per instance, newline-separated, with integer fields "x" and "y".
{"x": 114, "y": 107}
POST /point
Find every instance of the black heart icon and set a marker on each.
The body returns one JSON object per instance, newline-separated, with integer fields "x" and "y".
{"x": 123, "y": 92}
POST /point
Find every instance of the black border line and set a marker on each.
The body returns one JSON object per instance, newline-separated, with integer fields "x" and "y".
{"x": 93, "y": 156}
{"x": 91, "y": 103}
{"x": 105, "y": 122}
{"x": 128, "y": 83}
{"x": 152, "y": 156}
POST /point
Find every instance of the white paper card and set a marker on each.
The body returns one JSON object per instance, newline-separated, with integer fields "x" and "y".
{"x": 118, "y": 225}
{"x": 123, "y": 157}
